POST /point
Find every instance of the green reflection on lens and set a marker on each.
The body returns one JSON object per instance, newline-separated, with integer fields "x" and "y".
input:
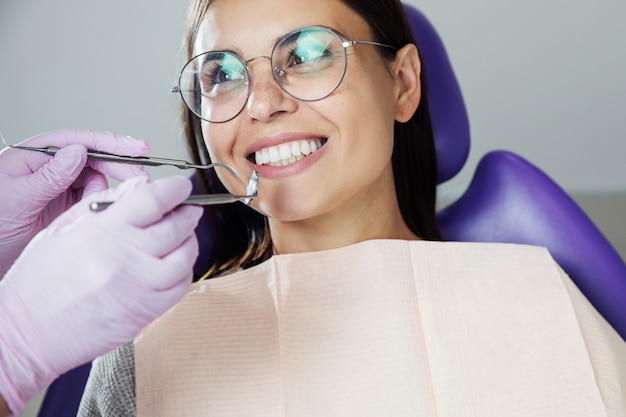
{"x": 232, "y": 68}
{"x": 311, "y": 45}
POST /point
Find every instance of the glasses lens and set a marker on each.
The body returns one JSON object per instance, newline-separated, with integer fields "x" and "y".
{"x": 309, "y": 63}
{"x": 214, "y": 86}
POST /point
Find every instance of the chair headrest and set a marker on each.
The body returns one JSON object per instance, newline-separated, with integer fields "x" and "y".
{"x": 448, "y": 115}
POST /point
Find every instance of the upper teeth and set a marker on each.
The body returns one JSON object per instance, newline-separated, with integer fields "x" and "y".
{"x": 286, "y": 153}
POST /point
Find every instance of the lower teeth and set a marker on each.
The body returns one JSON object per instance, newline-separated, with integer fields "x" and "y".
{"x": 284, "y": 162}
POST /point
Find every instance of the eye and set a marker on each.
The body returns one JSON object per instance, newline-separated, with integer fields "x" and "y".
{"x": 222, "y": 68}
{"x": 308, "y": 54}
{"x": 214, "y": 74}
{"x": 221, "y": 73}
{"x": 309, "y": 47}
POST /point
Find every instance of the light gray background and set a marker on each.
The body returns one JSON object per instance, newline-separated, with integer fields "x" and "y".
{"x": 543, "y": 78}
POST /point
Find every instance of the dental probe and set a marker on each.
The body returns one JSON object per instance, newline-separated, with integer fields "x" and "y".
{"x": 139, "y": 160}
{"x": 204, "y": 199}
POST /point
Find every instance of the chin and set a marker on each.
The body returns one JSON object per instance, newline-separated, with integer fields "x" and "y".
{"x": 288, "y": 212}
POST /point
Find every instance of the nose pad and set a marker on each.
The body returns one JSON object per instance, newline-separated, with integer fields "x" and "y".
{"x": 279, "y": 75}
{"x": 267, "y": 97}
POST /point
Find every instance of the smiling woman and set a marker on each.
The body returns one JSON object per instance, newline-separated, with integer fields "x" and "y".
{"x": 332, "y": 293}
{"x": 307, "y": 99}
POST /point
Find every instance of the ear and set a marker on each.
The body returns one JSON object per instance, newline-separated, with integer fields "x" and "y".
{"x": 407, "y": 68}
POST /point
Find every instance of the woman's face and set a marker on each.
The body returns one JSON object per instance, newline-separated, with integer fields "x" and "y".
{"x": 352, "y": 128}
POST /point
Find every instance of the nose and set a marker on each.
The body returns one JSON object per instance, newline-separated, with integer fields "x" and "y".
{"x": 267, "y": 99}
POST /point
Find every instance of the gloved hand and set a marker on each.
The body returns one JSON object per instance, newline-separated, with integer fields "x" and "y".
{"x": 91, "y": 281}
{"x": 36, "y": 187}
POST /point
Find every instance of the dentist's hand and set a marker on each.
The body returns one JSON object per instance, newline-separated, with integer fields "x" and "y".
{"x": 91, "y": 281}
{"x": 36, "y": 187}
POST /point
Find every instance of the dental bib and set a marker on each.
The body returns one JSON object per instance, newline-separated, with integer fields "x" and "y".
{"x": 384, "y": 328}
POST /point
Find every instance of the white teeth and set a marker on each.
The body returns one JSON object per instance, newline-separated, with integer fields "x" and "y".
{"x": 262, "y": 158}
{"x": 274, "y": 154}
{"x": 286, "y": 153}
{"x": 295, "y": 149}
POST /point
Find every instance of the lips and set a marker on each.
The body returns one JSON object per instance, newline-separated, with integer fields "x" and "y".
{"x": 286, "y": 153}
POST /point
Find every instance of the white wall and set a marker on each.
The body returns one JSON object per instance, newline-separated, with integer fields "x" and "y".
{"x": 544, "y": 78}
{"x": 104, "y": 65}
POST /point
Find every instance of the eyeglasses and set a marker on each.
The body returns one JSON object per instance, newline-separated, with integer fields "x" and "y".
{"x": 308, "y": 64}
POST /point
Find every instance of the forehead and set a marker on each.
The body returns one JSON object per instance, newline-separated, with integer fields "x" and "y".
{"x": 252, "y": 27}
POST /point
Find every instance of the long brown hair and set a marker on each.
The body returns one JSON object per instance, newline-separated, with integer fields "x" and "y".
{"x": 242, "y": 234}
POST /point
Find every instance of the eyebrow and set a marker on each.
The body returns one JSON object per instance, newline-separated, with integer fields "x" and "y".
{"x": 338, "y": 32}
{"x": 238, "y": 52}
{"x": 233, "y": 50}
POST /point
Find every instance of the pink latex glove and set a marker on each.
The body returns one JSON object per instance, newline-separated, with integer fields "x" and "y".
{"x": 36, "y": 187}
{"x": 91, "y": 281}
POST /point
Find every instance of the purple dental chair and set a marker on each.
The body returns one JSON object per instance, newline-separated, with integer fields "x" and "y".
{"x": 509, "y": 200}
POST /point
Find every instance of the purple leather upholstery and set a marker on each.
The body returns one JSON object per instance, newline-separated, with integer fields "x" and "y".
{"x": 511, "y": 200}
{"x": 448, "y": 116}
{"x": 63, "y": 395}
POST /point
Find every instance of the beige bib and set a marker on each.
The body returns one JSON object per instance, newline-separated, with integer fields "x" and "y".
{"x": 383, "y": 328}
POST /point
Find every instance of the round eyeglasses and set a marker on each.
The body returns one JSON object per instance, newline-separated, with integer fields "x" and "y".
{"x": 308, "y": 64}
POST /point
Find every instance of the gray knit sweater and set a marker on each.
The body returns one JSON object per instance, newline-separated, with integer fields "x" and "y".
{"x": 110, "y": 390}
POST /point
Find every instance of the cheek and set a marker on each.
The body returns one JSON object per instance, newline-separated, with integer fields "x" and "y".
{"x": 373, "y": 89}
{"x": 210, "y": 132}
{"x": 371, "y": 110}
{"x": 218, "y": 141}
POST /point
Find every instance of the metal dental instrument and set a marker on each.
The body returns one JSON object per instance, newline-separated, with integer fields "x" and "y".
{"x": 139, "y": 160}
{"x": 198, "y": 199}
{"x": 204, "y": 199}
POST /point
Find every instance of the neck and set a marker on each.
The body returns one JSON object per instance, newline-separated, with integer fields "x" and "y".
{"x": 363, "y": 218}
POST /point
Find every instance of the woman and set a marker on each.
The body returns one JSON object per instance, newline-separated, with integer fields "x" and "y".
{"x": 347, "y": 173}
{"x": 413, "y": 160}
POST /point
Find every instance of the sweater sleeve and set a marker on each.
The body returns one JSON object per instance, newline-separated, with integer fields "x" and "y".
{"x": 110, "y": 389}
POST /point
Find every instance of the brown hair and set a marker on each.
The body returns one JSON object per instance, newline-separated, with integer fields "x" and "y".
{"x": 242, "y": 234}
